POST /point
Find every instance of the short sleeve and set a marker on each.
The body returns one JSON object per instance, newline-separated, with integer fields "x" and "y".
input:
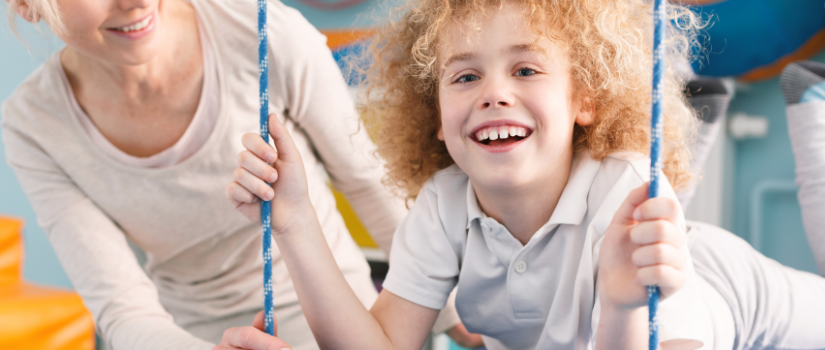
{"x": 423, "y": 265}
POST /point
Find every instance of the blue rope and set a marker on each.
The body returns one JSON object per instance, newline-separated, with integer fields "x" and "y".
{"x": 266, "y": 223}
{"x": 656, "y": 147}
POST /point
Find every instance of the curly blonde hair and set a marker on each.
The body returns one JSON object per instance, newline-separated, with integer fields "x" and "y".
{"x": 609, "y": 43}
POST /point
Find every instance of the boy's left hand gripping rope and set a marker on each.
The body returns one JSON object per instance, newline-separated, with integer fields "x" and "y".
{"x": 263, "y": 71}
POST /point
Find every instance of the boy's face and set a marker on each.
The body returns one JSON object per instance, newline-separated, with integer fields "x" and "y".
{"x": 504, "y": 82}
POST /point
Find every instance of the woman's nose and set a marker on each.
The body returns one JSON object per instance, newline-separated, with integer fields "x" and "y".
{"x": 127, "y": 5}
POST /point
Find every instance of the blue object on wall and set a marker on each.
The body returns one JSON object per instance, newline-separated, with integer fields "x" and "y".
{"x": 347, "y": 56}
{"x": 755, "y": 39}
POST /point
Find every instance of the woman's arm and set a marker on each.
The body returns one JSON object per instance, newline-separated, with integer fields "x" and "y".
{"x": 93, "y": 251}
{"x": 306, "y": 81}
{"x": 337, "y": 318}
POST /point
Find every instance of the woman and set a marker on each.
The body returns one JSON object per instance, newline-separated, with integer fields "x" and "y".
{"x": 133, "y": 129}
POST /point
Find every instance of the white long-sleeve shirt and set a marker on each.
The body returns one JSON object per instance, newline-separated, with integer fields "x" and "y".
{"x": 203, "y": 257}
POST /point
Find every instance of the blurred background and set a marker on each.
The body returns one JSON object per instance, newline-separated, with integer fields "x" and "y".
{"x": 747, "y": 186}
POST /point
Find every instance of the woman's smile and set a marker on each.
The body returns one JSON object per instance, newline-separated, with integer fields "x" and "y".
{"x": 135, "y": 30}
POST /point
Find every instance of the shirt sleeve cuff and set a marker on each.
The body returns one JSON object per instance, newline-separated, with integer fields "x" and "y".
{"x": 416, "y": 294}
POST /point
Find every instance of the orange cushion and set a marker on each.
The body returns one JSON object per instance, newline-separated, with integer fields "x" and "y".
{"x": 11, "y": 251}
{"x": 34, "y": 317}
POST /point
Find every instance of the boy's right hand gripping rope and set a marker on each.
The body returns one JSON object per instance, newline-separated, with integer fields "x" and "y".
{"x": 263, "y": 71}
{"x": 657, "y": 95}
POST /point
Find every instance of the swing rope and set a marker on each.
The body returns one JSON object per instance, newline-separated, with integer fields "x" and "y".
{"x": 266, "y": 223}
{"x": 656, "y": 147}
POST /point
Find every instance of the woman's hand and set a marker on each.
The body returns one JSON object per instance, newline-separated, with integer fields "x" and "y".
{"x": 642, "y": 246}
{"x": 251, "y": 338}
{"x": 283, "y": 182}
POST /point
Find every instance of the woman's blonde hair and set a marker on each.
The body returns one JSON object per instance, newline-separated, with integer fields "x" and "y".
{"x": 46, "y": 9}
{"x": 609, "y": 43}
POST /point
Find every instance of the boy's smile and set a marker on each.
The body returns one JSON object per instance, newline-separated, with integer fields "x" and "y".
{"x": 500, "y": 135}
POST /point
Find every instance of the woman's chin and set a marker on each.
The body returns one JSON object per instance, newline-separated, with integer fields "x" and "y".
{"x": 133, "y": 52}
{"x": 137, "y": 55}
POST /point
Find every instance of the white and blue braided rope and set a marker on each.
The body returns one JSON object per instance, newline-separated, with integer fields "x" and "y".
{"x": 266, "y": 223}
{"x": 657, "y": 94}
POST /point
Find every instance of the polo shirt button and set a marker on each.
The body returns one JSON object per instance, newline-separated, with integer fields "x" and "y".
{"x": 521, "y": 266}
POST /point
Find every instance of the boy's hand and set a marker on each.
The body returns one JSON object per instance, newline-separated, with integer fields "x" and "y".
{"x": 642, "y": 246}
{"x": 252, "y": 179}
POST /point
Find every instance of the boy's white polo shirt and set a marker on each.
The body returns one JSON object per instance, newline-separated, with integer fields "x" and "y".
{"x": 541, "y": 295}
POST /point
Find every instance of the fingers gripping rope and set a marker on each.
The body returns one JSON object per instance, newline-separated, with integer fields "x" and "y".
{"x": 263, "y": 71}
{"x": 656, "y": 147}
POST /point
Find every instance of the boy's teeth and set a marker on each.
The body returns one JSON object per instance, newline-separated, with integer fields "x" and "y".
{"x": 501, "y": 132}
{"x": 482, "y": 135}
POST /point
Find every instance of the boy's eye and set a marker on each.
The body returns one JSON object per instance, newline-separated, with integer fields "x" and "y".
{"x": 523, "y": 72}
{"x": 466, "y": 78}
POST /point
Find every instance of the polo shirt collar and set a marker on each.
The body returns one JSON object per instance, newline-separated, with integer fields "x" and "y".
{"x": 572, "y": 204}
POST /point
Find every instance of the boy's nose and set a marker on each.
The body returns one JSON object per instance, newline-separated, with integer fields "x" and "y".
{"x": 499, "y": 103}
{"x": 496, "y": 95}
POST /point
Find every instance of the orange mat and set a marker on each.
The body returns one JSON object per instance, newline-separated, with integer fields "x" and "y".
{"x": 34, "y": 317}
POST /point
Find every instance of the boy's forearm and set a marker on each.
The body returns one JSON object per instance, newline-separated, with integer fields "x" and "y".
{"x": 622, "y": 328}
{"x": 336, "y": 316}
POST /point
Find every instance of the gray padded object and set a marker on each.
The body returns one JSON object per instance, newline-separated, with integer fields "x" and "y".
{"x": 797, "y": 77}
{"x": 708, "y": 97}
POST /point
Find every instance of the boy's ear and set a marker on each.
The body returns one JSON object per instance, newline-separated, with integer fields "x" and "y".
{"x": 587, "y": 111}
{"x": 440, "y": 133}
